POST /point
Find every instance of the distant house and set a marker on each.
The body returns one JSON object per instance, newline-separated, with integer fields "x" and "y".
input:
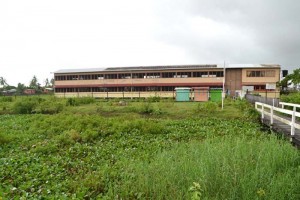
{"x": 48, "y": 90}
{"x": 29, "y": 91}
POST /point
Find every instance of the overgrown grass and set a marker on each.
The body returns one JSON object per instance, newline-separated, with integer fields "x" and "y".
{"x": 228, "y": 168}
{"x": 142, "y": 150}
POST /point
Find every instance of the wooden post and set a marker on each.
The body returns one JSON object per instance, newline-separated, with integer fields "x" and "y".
{"x": 293, "y": 122}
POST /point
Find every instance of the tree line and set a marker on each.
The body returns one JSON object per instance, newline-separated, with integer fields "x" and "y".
{"x": 19, "y": 89}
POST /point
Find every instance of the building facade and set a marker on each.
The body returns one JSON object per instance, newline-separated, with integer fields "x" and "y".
{"x": 147, "y": 81}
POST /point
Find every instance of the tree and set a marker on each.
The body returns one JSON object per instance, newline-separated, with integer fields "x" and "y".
{"x": 47, "y": 83}
{"x": 52, "y": 82}
{"x": 34, "y": 83}
{"x": 20, "y": 88}
{"x": 3, "y": 82}
{"x": 293, "y": 78}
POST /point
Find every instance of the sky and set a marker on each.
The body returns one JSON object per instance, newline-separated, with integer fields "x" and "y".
{"x": 39, "y": 37}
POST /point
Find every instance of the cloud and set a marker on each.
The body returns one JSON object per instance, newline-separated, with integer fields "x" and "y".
{"x": 39, "y": 37}
{"x": 240, "y": 31}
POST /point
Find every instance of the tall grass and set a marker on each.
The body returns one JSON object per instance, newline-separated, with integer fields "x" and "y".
{"x": 231, "y": 168}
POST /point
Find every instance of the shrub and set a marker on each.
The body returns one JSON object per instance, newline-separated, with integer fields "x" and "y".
{"x": 71, "y": 102}
{"x": 25, "y": 106}
{"x": 69, "y": 137}
{"x": 154, "y": 99}
{"x": 6, "y": 99}
{"x": 49, "y": 107}
{"x": 291, "y": 98}
{"x": 4, "y": 139}
{"x": 207, "y": 107}
{"x": 79, "y": 101}
{"x": 147, "y": 108}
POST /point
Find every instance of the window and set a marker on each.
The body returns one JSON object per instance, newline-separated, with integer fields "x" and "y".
{"x": 153, "y": 88}
{"x": 72, "y": 77}
{"x": 124, "y": 76}
{"x": 152, "y": 75}
{"x": 270, "y": 73}
{"x": 84, "y": 89}
{"x": 259, "y": 87}
{"x": 216, "y": 74}
{"x": 168, "y": 88}
{"x": 110, "y": 76}
{"x": 183, "y": 74}
{"x": 200, "y": 74}
{"x": 112, "y": 89}
{"x": 168, "y": 74}
{"x": 264, "y": 73}
{"x": 84, "y": 77}
{"x": 138, "y": 75}
{"x": 60, "y": 78}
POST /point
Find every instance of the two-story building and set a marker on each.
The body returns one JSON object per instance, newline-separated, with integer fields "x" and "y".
{"x": 145, "y": 81}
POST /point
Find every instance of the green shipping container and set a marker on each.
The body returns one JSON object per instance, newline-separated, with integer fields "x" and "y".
{"x": 182, "y": 94}
{"x": 215, "y": 95}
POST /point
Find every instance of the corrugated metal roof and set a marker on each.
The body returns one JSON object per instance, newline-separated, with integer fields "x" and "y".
{"x": 79, "y": 70}
{"x": 160, "y": 67}
{"x": 249, "y": 65}
{"x": 136, "y": 68}
{"x": 164, "y": 67}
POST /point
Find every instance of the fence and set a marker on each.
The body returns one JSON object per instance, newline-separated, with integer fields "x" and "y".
{"x": 270, "y": 111}
{"x": 266, "y": 97}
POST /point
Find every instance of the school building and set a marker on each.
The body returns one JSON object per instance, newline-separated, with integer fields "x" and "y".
{"x": 146, "y": 81}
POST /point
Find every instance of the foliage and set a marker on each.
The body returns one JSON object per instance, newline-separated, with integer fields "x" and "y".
{"x": 20, "y": 88}
{"x": 105, "y": 151}
{"x": 154, "y": 99}
{"x": 6, "y": 99}
{"x": 291, "y": 78}
{"x": 291, "y": 98}
{"x": 3, "y": 82}
{"x": 235, "y": 167}
{"x": 25, "y": 106}
{"x": 79, "y": 101}
{"x": 207, "y": 107}
{"x": 30, "y": 105}
{"x": 34, "y": 83}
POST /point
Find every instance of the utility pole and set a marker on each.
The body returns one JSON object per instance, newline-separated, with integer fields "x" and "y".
{"x": 223, "y": 92}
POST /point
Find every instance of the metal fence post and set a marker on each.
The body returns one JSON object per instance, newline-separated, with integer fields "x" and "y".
{"x": 262, "y": 113}
{"x": 293, "y": 122}
{"x": 272, "y": 111}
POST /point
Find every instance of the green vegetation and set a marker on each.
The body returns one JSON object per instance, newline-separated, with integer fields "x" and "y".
{"x": 149, "y": 149}
{"x": 291, "y": 98}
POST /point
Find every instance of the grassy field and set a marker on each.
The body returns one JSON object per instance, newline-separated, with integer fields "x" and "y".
{"x": 154, "y": 149}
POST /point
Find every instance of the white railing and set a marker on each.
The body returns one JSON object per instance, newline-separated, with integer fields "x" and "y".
{"x": 268, "y": 110}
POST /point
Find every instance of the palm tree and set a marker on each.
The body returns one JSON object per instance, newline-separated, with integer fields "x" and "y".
{"x": 3, "y": 82}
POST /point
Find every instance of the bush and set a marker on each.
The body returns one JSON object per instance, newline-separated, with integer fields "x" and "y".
{"x": 291, "y": 98}
{"x": 69, "y": 137}
{"x": 79, "y": 101}
{"x": 147, "y": 108}
{"x": 207, "y": 107}
{"x": 6, "y": 99}
{"x": 49, "y": 107}
{"x": 153, "y": 99}
{"x": 4, "y": 139}
{"x": 25, "y": 106}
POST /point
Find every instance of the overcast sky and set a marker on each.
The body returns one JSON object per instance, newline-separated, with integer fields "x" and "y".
{"x": 38, "y": 37}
